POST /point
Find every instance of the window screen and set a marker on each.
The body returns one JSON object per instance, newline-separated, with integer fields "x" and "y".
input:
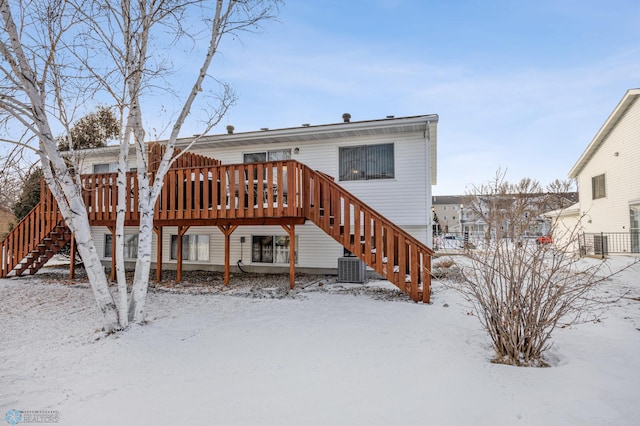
{"x": 367, "y": 162}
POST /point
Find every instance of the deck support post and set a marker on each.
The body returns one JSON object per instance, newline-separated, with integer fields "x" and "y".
{"x": 227, "y": 230}
{"x": 158, "y": 231}
{"x": 72, "y": 258}
{"x": 112, "y": 275}
{"x": 291, "y": 230}
{"x": 181, "y": 231}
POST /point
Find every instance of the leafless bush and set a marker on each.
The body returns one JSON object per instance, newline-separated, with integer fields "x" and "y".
{"x": 522, "y": 288}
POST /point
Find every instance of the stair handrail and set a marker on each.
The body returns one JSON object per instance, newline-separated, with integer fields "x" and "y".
{"x": 330, "y": 181}
{"x": 414, "y": 246}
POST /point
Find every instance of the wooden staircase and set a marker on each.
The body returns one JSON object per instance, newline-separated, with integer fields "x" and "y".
{"x": 205, "y": 193}
{"x": 34, "y": 240}
{"x": 386, "y": 248}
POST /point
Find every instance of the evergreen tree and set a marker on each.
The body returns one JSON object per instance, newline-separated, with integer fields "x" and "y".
{"x": 30, "y": 195}
{"x": 92, "y": 131}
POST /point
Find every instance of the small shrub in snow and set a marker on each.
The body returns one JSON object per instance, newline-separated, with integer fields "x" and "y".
{"x": 520, "y": 289}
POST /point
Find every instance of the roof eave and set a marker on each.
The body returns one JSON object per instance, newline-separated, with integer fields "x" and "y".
{"x": 627, "y": 100}
{"x": 323, "y": 130}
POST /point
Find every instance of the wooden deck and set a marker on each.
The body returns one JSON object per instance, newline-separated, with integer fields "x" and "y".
{"x": 285, "y": 193}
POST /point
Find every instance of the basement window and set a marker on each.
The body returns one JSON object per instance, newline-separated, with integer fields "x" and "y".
{"x": 271, "y": 249}
{"x": 194, "y": 247}
{"x": 367, "y": 162}
{"x": 130, "y": 246}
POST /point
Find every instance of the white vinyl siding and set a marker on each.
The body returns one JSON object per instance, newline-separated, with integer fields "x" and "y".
{"x": 618, "y": 158}
{"x": 403, "y": 199}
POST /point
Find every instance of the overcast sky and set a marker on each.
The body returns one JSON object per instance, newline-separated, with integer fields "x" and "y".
{"x": 522, "y": 85}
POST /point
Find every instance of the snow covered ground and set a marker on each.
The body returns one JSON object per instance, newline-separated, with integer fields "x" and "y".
{"x": 320, "y": 356}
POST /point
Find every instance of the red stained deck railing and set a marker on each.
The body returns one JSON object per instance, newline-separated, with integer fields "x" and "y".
{"x": 236, "y": 191}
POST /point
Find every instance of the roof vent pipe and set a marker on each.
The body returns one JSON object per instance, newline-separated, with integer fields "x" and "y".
{"x": 346, "y": 117}
{"x": 230, "y": 129}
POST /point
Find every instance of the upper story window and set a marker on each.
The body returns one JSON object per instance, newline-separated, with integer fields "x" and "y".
{"x": 598, "y": 189}
{"x": 366, "y": 162}
{"x": 110, "y": 168}
{"x": 105, "y": 168}
{"x": 261, "y": 157}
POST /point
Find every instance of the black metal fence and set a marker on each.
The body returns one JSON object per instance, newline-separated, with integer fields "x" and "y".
{"x": 604, "y": 243}
{"x": 598, "y": 244}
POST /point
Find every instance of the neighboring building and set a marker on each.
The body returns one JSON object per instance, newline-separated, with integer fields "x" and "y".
{"x": 453, "y": 217}
{"x": 608, "y": 174}
{"x": 459, "y": 213}
{"x": 6, "y": 218}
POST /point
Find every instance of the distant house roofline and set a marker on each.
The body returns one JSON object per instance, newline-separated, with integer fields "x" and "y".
{"x": 623, "y": 106}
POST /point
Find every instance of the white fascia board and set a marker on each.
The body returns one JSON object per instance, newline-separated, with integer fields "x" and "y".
{"x": 627, "y": 100}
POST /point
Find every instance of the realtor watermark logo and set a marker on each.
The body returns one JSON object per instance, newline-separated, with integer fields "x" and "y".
{"x": 15, "y": 417}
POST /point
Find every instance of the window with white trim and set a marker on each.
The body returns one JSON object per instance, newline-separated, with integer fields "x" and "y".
{"x": 195, "y": 247}
{"x": 598, "y": 187}
{"x": 366, "y": 162}
{"x": 130, "y": 246}
{"x": 261, "y": 157}
{"x": 105, "y": 167}
{"x": 271, "y": 249}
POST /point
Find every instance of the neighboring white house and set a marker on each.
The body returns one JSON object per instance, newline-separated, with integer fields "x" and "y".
{"x": 390, "y": 164}
{"x": 608, "y": 174}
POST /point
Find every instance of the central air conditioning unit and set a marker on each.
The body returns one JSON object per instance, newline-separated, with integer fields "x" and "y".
{"x": 351, "y": 270}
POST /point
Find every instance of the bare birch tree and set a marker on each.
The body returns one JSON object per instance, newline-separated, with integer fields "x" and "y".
{"x": 13, "y": 173}
{"x": 109, "y": 50}
{"x": 520, "y": 284}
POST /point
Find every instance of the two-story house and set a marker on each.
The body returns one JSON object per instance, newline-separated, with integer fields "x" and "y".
{"x": 608, "y": 174}
{"x": 271, "y": 200}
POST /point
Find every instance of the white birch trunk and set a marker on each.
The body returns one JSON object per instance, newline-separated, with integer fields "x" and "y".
{"x": 148, "y": 194}
{"x": 95, "y": 273}
{"x": 143, "y": 266}
{"x": 66, "y": 192}
{"x": 134, "y": 21}
{"x": 123, "y": 193}
{"x": 74, "y": 212}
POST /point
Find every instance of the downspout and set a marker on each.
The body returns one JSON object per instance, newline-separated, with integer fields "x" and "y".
{"x": 427, "y": 137}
